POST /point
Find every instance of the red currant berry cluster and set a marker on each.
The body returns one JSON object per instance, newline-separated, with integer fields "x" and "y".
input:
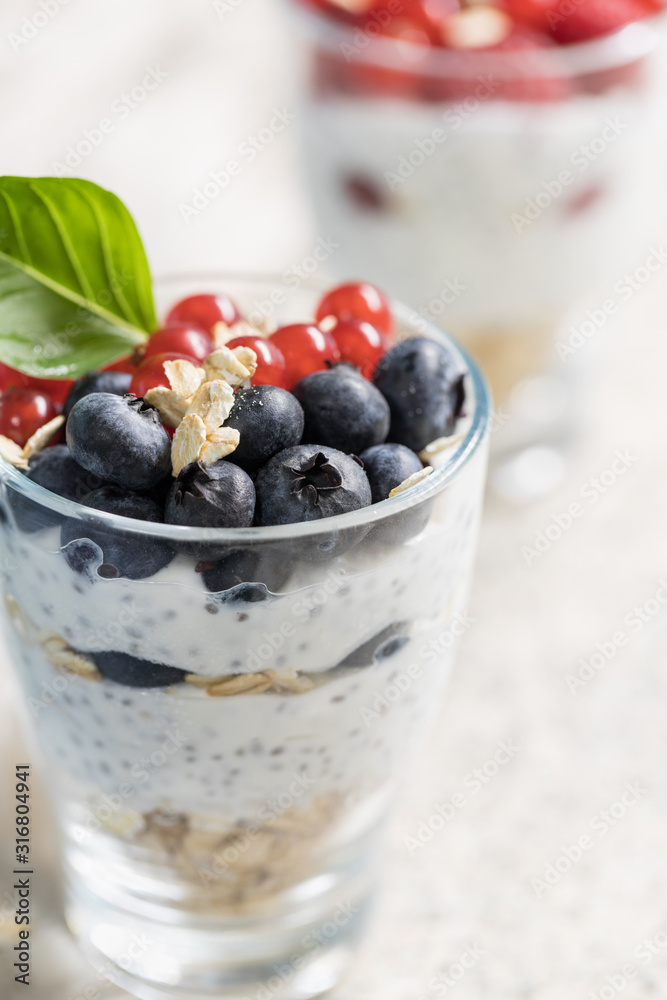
{"x": 455, "y": 24}
{"x": 187, "y": 334}
{"x": 527, "y": 33}
{"x": 26, "y": 403}
{"x": 352, "y": 323}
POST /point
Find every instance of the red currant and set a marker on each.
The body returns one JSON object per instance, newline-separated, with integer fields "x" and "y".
{"x": 360, "y": 344}
{"x": 204, "y": 311}
{"x": 10, "y": 377}
{"x": 151, "y": 372}
{"x": 23, "y": 411}
{"x": 305, "y": 348}
{"x": 270, "y": 360}
{"x": 126, "y": 365}
{"x": 182, "y": 339}
{"x": 357, "y": 301}
{"x": 57, "y": 389}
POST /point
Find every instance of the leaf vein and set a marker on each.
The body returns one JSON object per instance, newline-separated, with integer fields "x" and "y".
{"x": 18, "y": 229}
{"x": 70, "y": 252}
{"x": 72, "y": 296}
{"x": 109, "y": 266}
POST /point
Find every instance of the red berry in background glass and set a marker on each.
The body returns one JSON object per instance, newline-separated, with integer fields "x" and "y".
{"x": 151, "y": 372}
{"x": 204, "y": 311}
{"x": 407, "y": 33}
{"x": 357, "y": 301}
{"x": 23, "y": 411}
{"x": 360, "y": 344}
{"x": 182, "y": 339}
{"x": 533, "y": 13}
{"x": 305, "y": 348}
{"x": 270, "y": 360}
{"x": 432, "y": 14}
{"x": 595, "y": 18}
{"x": 351, "y": 11}
{"x": 477, "y": 27}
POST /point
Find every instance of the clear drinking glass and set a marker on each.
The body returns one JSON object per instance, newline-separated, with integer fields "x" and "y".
{"x": 221, "y": 835}
{"x": 504, "y": 195}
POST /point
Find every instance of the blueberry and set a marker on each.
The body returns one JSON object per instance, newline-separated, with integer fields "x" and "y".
{"x": 221, "y": 495}
{"x": 307, "y": 483}
{"x": 264, "y": 565}
{"x": 342, "y": 410}
{"x": 268, "y": 419}
{"x": 120, "y": 439}
{"x": 133, "y": 672}
{"x": 424, "y": 389}
{"x": 383, "y": 645}
{"x": 160, "y": 491}
{"x": 244, "y": 593}
{"x": 387, "y": 465}
{"x": 55, "y": 470}
{"x": 123, "y": 553}
{"x": 344, "y": 366}
{"x": 117, "y": 383}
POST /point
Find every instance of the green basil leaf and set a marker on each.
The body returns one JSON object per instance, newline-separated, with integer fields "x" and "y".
{"x": 46, "y": 335}
{"x": 75, "y": 286}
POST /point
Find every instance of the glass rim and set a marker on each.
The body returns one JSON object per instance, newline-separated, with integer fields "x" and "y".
{"x": 624, "y": 46}
{"x": 428, "y": 488}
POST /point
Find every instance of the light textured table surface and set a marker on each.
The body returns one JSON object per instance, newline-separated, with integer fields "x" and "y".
{"x": 472, "y": 886}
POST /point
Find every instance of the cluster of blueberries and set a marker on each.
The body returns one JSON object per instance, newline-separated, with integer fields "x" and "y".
{"x": 336, "y": 443}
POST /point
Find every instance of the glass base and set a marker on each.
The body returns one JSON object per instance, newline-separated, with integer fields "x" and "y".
{"x": 175, "y": 923}
{"x": 301, "y": 955}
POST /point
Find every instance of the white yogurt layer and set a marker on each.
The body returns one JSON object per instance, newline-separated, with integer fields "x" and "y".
{"x": 480, "y": 228}
{"x": 180, "y": 748}
{"x": 327, "y": 612}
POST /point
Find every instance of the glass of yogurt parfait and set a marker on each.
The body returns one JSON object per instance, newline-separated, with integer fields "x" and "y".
{"x": 499, "y": 167}
{"x": 225, "y": 713}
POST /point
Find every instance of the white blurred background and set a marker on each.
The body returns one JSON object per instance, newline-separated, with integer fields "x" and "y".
{"x": 218, "y": 73}
{"x": 227, "y": 68}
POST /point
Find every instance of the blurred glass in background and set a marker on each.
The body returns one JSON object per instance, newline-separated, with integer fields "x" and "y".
{"x": 500, "y": 169}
